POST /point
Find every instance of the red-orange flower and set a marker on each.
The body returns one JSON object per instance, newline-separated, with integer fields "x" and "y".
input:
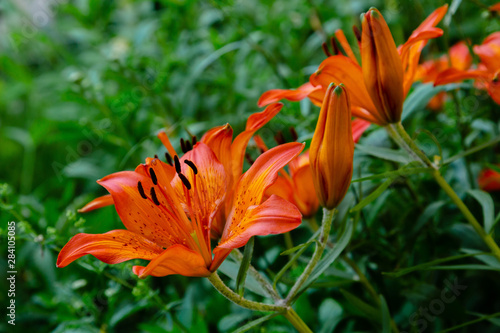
{"x": 230, "y": 153}
{"x": 168, "y": 212}
{"x": 332, "y": 148}
{"x": 488, "y": 71}
{"x": 378, "y": 87}
{"x": 459, "y": 57}
{"x": 489, "y": 180}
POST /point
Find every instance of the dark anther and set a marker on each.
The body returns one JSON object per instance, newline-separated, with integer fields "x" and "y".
{"x": 153, "y": 176}
{"x": 188, "y": 146}
{"x": 168, "y": 158}
{"x": 141, "y": 190}
{"x": 192, "y": 166}
{"x": 357, "y": 33}
{"x": 153, "y": 196}
{"x": 279, "y": 138}
{"x": 293, "y": 133}
{"x": 335, "y": 47}
{"x": 183, "y": 146}
{"x": 249, "y": 158}
{"x": 156, "y": 156}
{"x": 194, "y": 139}
{"x": 177, "y": 164}
{"x": 325, "y": 50}
{"x": 185, "y": 181}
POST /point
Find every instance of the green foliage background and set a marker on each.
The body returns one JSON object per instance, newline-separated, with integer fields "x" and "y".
{"x": 84, "y": 87}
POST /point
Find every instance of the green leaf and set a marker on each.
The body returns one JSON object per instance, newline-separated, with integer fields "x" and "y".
{"x": 488, "y": 208}
{"x": 330, "y": 314}
{"x": 426, "y": 266}
{"x": 295, "y": 248}
{"x": 421, "y": 95}
{"x": 393, "y": 174}
{"x": 372, "y": 196}
{"x": 399, "y": 156}
{"x": 255, "y": 323}
{"x": 365, "y": 309}
{"x": 487, "y": 259}
{"x": 245, "y": 263}
{"x": 329, "y": 257}
{"x": 230, "y": 269}
{"x": 386, "y": 315}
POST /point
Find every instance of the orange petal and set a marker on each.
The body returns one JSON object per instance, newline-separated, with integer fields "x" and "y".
{"x": 359, "y": 126}
{"x": 339, "y": 69}
{"x": 494, "y": 88}
{"x": 345, "y": 45}
{"x": 304, "y": 193}
{"x": 452, "y": 75}
{"x": 489, "y": 180}
{"x": 143, "y": 216}
{"x": 219, "y": 140}
{"x": 460, "y": 56}
{"x": 276, "y": 95}
{"x": 489, "y": 52}
{"x": 253, "y": 184}
{"x": 112, "y": 247}
{"x": 103, "y": 201}
{"x": 382, "y": 67}
{"x": 254, "y": 122}
{"x": 273, "y": 216}
{"x": 176, "y": 259}
{"x": 494, "y": 8}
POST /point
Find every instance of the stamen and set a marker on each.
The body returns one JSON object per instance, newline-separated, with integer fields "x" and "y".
{"x": 185, "y": 181}
{"x": 183, "y": 146}
{"x": 326, "y": 50}
{"x": 153, "y": 196}
{"x": 169, "y": 159}
{"x": 153, "y": 176}
{"x": 192, "y": 166}
{"x": 194, "y": 139}
{"x": 156, "y": 156}
{"x": 177, "y": 164}
{"x": 141, "y": 190}
{"x": 279, "y": 138}
{"x": 188, "y": 146}
{"x": 249, "y": 158}
{"x": 294, "y": 134}
{"x": 335, "y": 47}
{"x": 357, "y": 33}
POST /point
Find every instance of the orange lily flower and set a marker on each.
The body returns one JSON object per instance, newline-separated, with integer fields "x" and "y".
{"x": 488, "y": 71}
{"x": 378, "y": 87}
{"x": 489, "y": 180}
{"x": 494, "y": 8}
{"x": 459, "y": 58}
{"x": 168, "y": 212}
{"x": 332, "y": 148}
{"x": 230, "y": 153}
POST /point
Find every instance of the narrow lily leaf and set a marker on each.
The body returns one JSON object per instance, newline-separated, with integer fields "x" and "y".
{"x": 488, "y": 259}
{"x": 329, "y": 257}
{"x": 429, "y": 212}
{"x": 484, "y": 317}
{"x": 393, "y": 174}
{"x": 295, "y": 248}
{"x": 421, "y": 95}
{"x": 230, "y": 269}
{"x": 372, "y": 196}
{"x": 488, "y": 208}
{"x": 245, "y": 263}
{"x": 386, "y": 315}
{"x": 290, "y": 263}
{"x": 491, "y": 318}
{"x": 399, "y": 156}
{"x": 255, "y": 323}
{"x": 429, "y": 264}
{"x": 472, "y": 150}
{"x": 472, "y": 267}
{"x": 365, "y": 309}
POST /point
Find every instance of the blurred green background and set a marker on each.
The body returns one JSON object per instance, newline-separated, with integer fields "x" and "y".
{"x": 84, "y": 87}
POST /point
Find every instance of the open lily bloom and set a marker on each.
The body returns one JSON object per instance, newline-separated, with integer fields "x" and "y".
{"x": 459, "y": 58}
{"x": 168, "y": 212}
{"x": 489, "y": 180}
{"x": 379, "y": 86}
{"x": 488, "y": 71}
{"x": 230, "y": 153}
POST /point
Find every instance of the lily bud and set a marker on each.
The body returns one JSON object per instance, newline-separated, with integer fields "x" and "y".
{"x": 332, "y": 148}
{"x": 382, "y": 67}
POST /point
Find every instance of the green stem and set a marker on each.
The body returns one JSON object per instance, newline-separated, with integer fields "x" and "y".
{"x": 296, "y": 321}
{"x": 399, "y": 134}
{"x": 216, "y": 281}
{"x": 326, "y": 225}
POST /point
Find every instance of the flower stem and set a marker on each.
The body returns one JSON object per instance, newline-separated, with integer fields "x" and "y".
{"x": 399, "y": 134}
{"x": 218, "y": 284}
{"x": 296, "y": 321}
{"x": 326, "y": 225}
